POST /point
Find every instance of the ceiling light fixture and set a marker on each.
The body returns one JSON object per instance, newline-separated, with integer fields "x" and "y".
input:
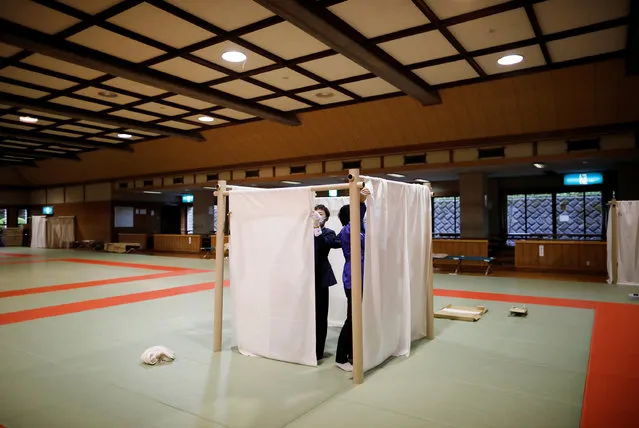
{"x": 28, "y": 119}
{"x": 539, "y": 165}
{"x": 209, "y": 188}
{"x": 395, "y": 175}
{"x": 291, "y": 182}
{"x": 205, "y": 119}
{"x": 126, "y": 136}
{"x": 151, "y": 192}
{"x": 107, "y": 94}
{"x": 510, "y": 59}
{"x": 421, "y": 180}
{"x": 233, "y": 56}
{"x": 324, "y": 94}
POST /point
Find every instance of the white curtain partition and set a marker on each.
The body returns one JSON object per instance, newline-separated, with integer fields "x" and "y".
{"x": 39, "y": 231}
{"x": 272, "y": 274}
{"x": 337, "y": 298}
{"x": 627, "y": 240}
{"x": 60, "y": 232}
{"x": 395, "y": 269}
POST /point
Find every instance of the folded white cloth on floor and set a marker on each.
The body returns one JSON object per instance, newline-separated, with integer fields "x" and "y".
{"x": 156, "y": 354}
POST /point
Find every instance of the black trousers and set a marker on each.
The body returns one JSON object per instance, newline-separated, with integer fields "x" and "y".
{"x": 345, "y": 342}
{"x": 321, "y": 320}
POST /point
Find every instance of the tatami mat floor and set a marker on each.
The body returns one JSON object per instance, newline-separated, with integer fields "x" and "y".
{"x": 73, "y": 325}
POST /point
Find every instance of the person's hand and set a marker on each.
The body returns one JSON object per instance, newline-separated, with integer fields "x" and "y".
{"x": 365, "y": 193}
{"x": 317, "y": 218}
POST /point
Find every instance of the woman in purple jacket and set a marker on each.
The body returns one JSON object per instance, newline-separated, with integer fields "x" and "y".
{"x": 344, "y": 354}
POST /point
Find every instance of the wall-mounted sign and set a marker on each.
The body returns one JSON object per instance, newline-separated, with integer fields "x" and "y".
{"x": 187, "y": 199}
{"x": 47, "y": 210}
{"x": 585, "y": 179}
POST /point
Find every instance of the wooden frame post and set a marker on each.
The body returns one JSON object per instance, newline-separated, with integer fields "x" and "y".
{"x": 430, "y": 316}
{"x": 218, "y": 314}
{"x": 614, "y": 253}
{"x": 356, "y": 277}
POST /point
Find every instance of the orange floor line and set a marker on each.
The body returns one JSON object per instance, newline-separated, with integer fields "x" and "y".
{"x": 3, "y": 254}
{"x": 611, "y": 394}
{"x": 514, "y": 298}
{"x": 86, "y": 284}
{"x": 127, "y": 265}
{"x": 71, "y": 308}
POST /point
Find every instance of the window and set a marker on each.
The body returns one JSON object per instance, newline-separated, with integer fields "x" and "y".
{"x": 446, "y": 216}
{"x": 3, "y": 217}
{"x": 579, "y": 215}
{"x": 568, "y": 215}
{"x": 213, "y": 212}
{"x": 23, "y": 217}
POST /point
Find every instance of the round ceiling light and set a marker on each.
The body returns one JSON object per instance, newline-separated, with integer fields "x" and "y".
{"x": 510, "y": 59}
{"x": 28, "y": 119}
{"x": 205, "y": 119}
{"x": 107, "y": 94}
{"x": 126, "y": 136}
{"x": 233, "y": 56}
{"x": 325, "y": 94}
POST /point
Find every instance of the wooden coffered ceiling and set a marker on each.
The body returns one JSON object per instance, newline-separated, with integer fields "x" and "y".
{"x": 107, "y": 74}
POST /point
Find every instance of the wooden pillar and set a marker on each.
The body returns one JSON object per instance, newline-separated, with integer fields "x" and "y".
{"x": 356, "y": 277}
{"x": 219, "y": 267}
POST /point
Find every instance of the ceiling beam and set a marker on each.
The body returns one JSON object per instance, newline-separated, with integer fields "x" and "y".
{"x": 632, "y": 43}
{"x": 40, "y": 156}
{"x": 77, "y": 113}
{"x": 342, "y": 38}
{"x": 35, "y": 41}
{"x": 42, "y": 138}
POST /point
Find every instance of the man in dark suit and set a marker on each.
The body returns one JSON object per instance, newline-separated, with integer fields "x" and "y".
{"x": 325, "y": 239}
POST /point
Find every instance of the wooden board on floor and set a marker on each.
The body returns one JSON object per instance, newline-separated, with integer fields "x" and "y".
{"x": 461, "y": 313}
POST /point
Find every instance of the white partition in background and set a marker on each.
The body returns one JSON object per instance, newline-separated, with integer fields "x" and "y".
{"x": 337, "y": 298}
{"x": 627, "y": 241}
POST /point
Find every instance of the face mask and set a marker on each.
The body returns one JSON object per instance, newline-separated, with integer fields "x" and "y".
{"x": 322, "y": 217}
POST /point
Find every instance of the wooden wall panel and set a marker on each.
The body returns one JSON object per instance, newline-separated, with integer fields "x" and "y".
{"x": 147, "y": 221}
{"x": 460, "y": 247}
{"x": 93, "y": 219}
{"x": 575, "y": 97}
{"x": 177, "y": 243}
{"x": 583, "y": 256}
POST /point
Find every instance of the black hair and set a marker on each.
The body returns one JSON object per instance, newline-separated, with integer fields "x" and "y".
{"x": 323, "y": 208}
{"x": 345, "y": 215}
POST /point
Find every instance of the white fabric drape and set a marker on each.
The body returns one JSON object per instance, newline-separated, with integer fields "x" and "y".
{"x": 60, "y": 232}
{"x": 627, "y": 243}
{"x": 337, "y": 298}
{"x": 39, "y": 231}
{"x": 272, "y": 274}
{"x": 395, "y": 269}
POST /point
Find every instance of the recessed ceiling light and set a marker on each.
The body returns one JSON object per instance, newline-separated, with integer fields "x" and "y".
{"x": 28, "y": 119}
{"x": 150, "y": 192}
{"x": 233, "y": 56}
{"x": 209, "y": 188}
{"x": 107, "y": 94}
{"x": 396, "y": 175}
{"x": 510, "y": 59}
{"x": 421, "y": 180}
{"x": 539, "y": 165}
{"x": 325, "y": 94}
{"x": 124, "y": 136}
{"x": 291, "y": 182}
{"x": 205, "y": 119}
